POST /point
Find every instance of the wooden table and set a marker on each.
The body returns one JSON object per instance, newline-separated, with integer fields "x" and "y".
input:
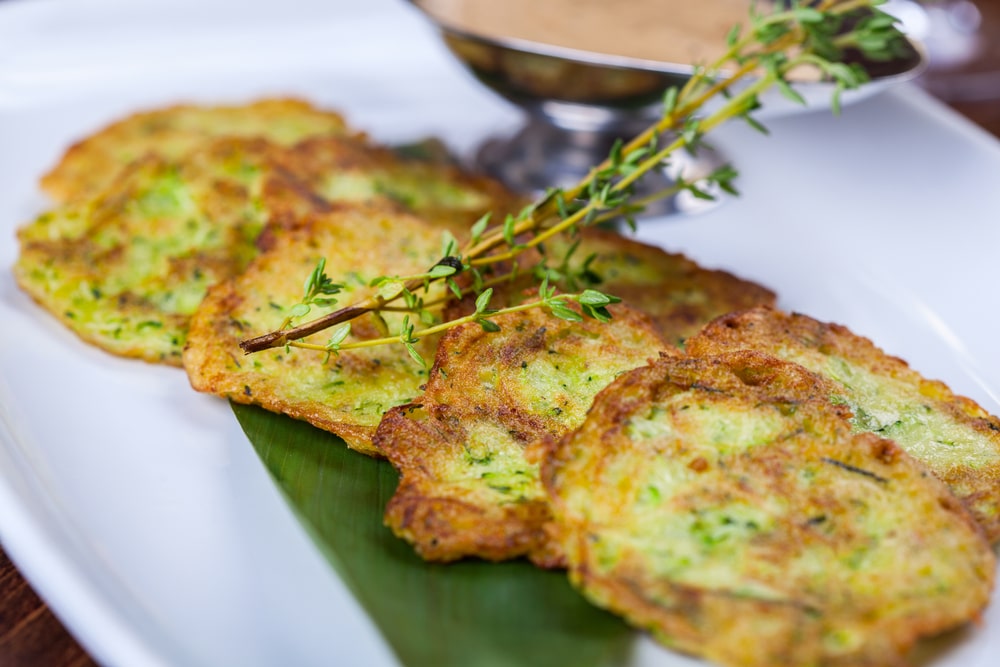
{"x": 31, "y": 636}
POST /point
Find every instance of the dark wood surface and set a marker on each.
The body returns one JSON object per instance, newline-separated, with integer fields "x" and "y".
{"x": 31, "y": 635}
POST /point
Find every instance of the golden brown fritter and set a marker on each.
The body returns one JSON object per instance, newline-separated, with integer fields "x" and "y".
{"x": 126, "y": 269}
{"x": 346, "y": 393}
{"x": 675, "y": 291}
{"x": 953, "y": 436}
{"x": 354, "y": 170}
{"x": 92, "y": 164}
{"x": 722, "y": 503}
{"x": 467, "y": 487}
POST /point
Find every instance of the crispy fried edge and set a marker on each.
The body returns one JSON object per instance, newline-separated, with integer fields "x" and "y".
{"x": 62, "y": 181}
{"x": 286, "y": 199}
{"x": 443, "y": 528}
{"x": 737, "y": 293}
{"x": 308, "y": 160}
{"x": 676, "y": 325}
{"x": 675, "y": 627}
{"x": 762, "y": 323}
{"x": 212, "y": 322}
{"x": 213, "y": 316}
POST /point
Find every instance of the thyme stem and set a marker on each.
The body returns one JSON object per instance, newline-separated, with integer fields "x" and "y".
{"x": 419, "y": 333}
{"x": 774, "y": 45}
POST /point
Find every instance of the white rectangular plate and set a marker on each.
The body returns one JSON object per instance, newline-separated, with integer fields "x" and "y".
{"x": 138, "y": 508}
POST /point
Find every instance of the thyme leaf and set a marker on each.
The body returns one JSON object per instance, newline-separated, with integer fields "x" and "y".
{"x": 757, "y": 58}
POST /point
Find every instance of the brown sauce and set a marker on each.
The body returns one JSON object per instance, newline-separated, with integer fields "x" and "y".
{"x": 668, "y": 31}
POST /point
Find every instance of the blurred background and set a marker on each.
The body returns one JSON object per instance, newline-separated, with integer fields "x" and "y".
{"x": 963, "y": 43}
{"x": 963, "y": 40}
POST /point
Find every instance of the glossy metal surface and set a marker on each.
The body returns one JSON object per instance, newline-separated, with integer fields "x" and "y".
{"x": 577, "y": 103}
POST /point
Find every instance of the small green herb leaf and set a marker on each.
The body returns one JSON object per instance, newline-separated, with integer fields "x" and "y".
{"x": 489, "y": 325}
{"x": 416, "y": 356}
{"x": 479, "y": 227}
{"x": 390, "y": 289}
{"x": 441, "y": 270}
{"x": 483, "y": 300}
{"x": 594, "y": 298}
{"x": 338, "y": 336}
{"x": 560, "y": 309}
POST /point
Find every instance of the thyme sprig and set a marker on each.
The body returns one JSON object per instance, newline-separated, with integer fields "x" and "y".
{"x": 814, "y": 34}
{"x": 318, "y": 290}
{"x": 591, "y": 302}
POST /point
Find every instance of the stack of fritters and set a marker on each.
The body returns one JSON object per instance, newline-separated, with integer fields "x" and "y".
{"x": 736, "y": 512}
{"x": 467, "y": 486}
{"x": 126, "y": 261}
{"x": 726, "y": 486}
{"x": 724, "y": 504}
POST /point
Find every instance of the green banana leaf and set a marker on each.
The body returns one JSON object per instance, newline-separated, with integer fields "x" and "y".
{"x": 465, "y": 614}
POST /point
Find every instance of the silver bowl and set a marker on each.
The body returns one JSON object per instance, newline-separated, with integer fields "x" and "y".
{"x": 578, "y": 103}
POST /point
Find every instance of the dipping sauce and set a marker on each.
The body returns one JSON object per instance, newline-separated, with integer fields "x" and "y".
{"x": 666, "y": 31}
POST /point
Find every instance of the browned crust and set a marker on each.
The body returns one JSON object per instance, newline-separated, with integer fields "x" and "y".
{"x": 680, "y": 295}
{"x": 215, "y": 365}
{"x": 788, "y": 334}
{"x": 440, "y": 506}
{"x": 592, "y": 505}
{"x": 676, "y": 292}
{"x": 315, "y": 159}
{"x": 441, "y": 525}
{"x": 79, "y": 258}
{"x": 92, "y": 163}
{"x": 347, "y": 393}
{"x": 211, "y": 149}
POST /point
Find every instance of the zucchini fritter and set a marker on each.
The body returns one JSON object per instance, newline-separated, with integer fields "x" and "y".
{"x": 953, "y": 436}
{"x": 126, "y": 269}
{"x": 354, "y": 170}
{"x": 346, "y": 393}
{"x": 723, "y": 504}
{"x": 675, "y": 291}
{"x": 89, "y": 166}
{"x": 467, "y": 487}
